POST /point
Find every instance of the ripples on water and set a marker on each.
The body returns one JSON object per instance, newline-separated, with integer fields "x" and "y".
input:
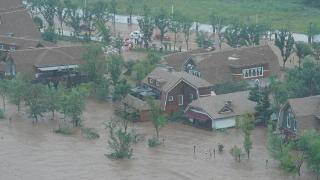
{"x": 34, "y": 152}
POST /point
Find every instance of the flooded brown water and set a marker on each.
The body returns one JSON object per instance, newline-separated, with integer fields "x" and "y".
{"x": 35, "y": 152}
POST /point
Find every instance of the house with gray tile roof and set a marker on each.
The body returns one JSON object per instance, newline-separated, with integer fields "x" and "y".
{"x": 220, "y": 111}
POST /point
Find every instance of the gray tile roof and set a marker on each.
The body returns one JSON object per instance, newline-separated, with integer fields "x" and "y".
{"x": 240, "y": 104}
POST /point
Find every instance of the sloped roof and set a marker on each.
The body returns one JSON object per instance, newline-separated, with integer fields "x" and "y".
{"x": 305, "y": 106}
{"x": 176, "y": 60}
{"x": 9, "y": 5}
{"x": 215, "y": 66}
{"x": 240, "y": 104}
{"x": 24, "y": 43}
{"x": 19, "y": 23}
{"x": 25, "y": 60}
{"x": 168, "y": 79}
{"x": 136, "y": 103}
{"x": 306, "y": 111}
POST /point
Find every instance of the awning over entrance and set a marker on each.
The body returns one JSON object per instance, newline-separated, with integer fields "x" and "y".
{"x": 197, "y": 116}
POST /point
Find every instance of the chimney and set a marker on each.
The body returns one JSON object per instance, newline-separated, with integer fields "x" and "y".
{"x": 229, "y": 103}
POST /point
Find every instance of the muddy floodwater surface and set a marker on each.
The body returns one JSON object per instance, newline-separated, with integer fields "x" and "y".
{"x": 34, "y": 152}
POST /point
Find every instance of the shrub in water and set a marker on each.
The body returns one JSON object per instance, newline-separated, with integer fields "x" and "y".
{"x": 152, "y": 142}
{"x": 220, "y": 147}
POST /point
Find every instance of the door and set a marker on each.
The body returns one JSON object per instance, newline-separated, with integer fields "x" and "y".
{"x": 180, "y": 100}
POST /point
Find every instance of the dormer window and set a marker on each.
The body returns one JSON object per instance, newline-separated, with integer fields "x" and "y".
{"x": 252, "y": 72}
{"x": 151, "y": 81}
{"x": 157, "y": 83}
{"x": 12, "y": 48}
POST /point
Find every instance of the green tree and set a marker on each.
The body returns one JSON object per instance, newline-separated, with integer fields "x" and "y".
{"x": 73, "y": 18}
{"x": 316, "y": 50}
{"x": 146, "y": 25}
{"x": 74, "y": 104}
{"x": 102, "y": 89}
{"x": 246, "y": 123}
{"x": 255, "y": 93}
{"x": 115, "y": 67}
{"x": 61, "y": 14}
{"x": 113, "y": 9}
{"x": 157, "y": 116}
{"x": 104, "y": 31}
{"x": 232, "y": 36}
{"x": 49, "y": 35}
{"x": 275, "y": 143}
{"x": 47, "y": 9}
{"x": 100, "y": 11}
{"x": 35, "y": 99}
{"x": 186, "y": 26}
{"x": 302, "y": 50}
{"x": 93, "y": 67}
{"x": 118, "y": 43}
{"x": 236, "y": 152}
{"x": 263, "y": 107}
{"x": 119, "y": 140}
{"x": 17, "y": 90}
{"x": 130, "y": 9}
{"x": 175, "y": 26}
{"x": 311, "y": 32}
{"x": 162, "y": 22}
{"x": 213, "y": 22}
{"x": 304, "y": 81}
{"x": 284, "y": 41}
{"x": 203, "y": 40}
{"x": 144, "y": 67}
{"x": 287, "y": 162}
{"x": 121, "y": 90}
{"x": 53, "y": 98}
{"x": 279, "y": 92}
{"x": 4, "y": 91}
{"x": 247, "y": 144}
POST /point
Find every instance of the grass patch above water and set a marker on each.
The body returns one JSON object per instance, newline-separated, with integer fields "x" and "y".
{"x": 281, "y": 13}
{"x": 90, "y": 133}
{"x": 64, "y": 130}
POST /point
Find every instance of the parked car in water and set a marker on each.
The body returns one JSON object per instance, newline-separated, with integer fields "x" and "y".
{"x": 136, "y": 35}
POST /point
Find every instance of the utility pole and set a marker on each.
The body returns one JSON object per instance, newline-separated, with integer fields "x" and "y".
{"x": 172, "y": 8}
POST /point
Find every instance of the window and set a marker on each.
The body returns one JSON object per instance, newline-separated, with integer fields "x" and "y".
{"x": 12, "y": 48}
{"x": 288, "y": 121}
{"x": 180, "y": 100}
{"x": 1, "y": 47}
{"x": 150, "y": 81}
{"x": 157, "y": 83}
{"x": 191, "y": 96}
{"x": 170, "y": 98}
{"x": 252, "y": 72}
{"x": 196, "y": 73}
